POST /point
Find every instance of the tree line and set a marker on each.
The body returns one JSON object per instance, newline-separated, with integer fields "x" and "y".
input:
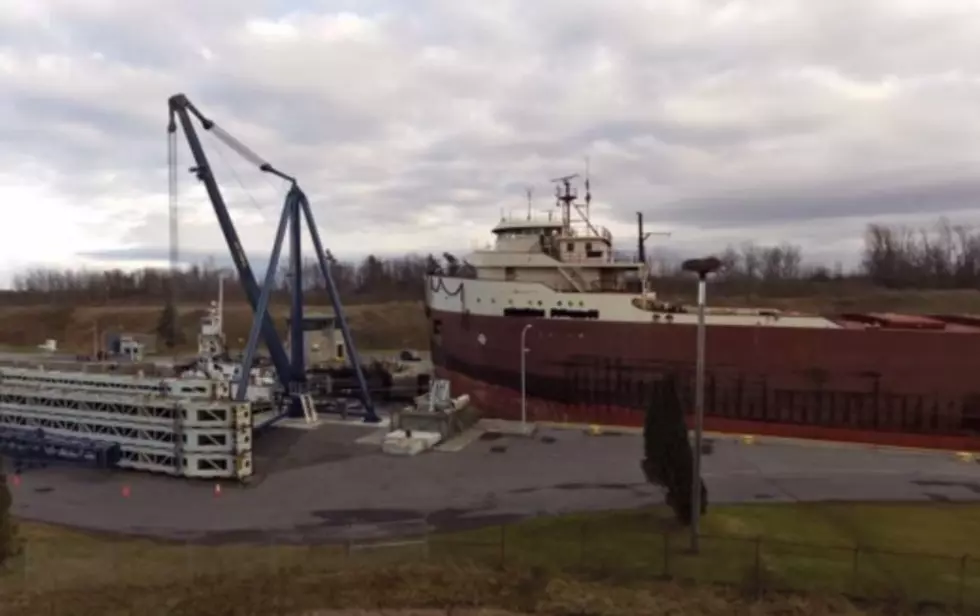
{"x": 942, "y": 256}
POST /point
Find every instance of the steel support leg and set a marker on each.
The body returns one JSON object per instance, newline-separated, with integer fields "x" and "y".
{"x": 263, "y": 305}
{"x": 370, "y": 416}
{"x": 297, "y": 344}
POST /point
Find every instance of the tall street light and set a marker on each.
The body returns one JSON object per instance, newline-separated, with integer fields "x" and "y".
{"x": 524, "y": 351}
{"x": 702, "y": 268}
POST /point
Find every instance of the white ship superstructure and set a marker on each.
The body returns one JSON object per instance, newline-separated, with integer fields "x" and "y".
{"x": 565, "y": 267}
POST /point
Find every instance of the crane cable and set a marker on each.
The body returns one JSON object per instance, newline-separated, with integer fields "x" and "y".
{"x": 238, "y": 178}
{"x": 173, "y": 213}
{"x": 173, "y": 228}
{"x": 172, "y": 191}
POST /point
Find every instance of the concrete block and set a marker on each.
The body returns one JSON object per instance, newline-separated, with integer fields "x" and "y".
{"x": 399, "y": 443}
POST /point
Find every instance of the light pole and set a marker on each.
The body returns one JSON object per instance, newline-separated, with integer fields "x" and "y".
{"x": 702, "y": 268}
{"x": 524, "y": 351}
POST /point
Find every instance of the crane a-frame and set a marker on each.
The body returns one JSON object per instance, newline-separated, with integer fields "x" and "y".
{"x": 290, "y": 371}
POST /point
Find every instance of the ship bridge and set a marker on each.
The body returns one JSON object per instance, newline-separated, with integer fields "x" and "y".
{"x": 523, "y": 227}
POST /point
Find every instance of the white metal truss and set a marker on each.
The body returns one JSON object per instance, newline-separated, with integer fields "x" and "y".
{"x": 204, "y": 466}
{"x": 191, "y": 440}
{"x": 184, "y": 435}
{"x": 138, "y": 408}
{"x": 222, "y": 453}
{"x": 198, "y": 388}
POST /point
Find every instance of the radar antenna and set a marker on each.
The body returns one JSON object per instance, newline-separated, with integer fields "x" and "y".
{"x": 529, "y": 191}
{"x": 588, "y": 189}
{"x": 564, "y": 200}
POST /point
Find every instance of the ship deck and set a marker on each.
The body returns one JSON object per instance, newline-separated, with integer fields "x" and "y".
{"x": 952, "y": 323}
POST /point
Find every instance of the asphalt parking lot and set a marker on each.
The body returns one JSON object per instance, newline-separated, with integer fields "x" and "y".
{"x": 321, "y": 485}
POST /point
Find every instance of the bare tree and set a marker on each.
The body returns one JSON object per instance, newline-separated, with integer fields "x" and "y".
{"x": 945, "y": 255}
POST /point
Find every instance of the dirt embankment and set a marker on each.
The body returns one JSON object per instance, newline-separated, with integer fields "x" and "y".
{"x": 76, "y": 328}
{"x": 397, "y": 325}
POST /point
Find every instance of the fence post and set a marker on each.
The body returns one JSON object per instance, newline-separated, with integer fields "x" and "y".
{"x": 854, "y": 574}
{"x": 503, "y": 544}
{"x": 961, "y": 585}
{"x": 666, "y": 537}
{"x": 758, "y": 567}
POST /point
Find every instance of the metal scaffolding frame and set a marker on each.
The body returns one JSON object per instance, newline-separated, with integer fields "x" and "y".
{"x": 118, "y": 383}
{"x": 189, "y": 434}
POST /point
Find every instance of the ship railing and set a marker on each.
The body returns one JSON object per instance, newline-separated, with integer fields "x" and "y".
{"x": 536, "y": 217}
{"x": 584, "y": 230}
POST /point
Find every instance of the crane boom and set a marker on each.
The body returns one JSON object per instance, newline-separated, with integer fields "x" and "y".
{"x": 181, "y": 109}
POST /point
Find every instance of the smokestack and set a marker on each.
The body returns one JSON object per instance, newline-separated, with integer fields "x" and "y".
{"x": 641, "y": 252}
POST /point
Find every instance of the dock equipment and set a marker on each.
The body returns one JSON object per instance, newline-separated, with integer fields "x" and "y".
{"x": 116, "y": 383}
{"x": 34, "y": 446}
{"x": 182, "y": 431}
{"x": 290, "y": 372}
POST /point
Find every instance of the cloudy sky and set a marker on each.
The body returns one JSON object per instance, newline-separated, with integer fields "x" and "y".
{"x": 413, "y": 124}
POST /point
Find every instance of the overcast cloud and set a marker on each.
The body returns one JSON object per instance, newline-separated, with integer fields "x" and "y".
{"x": 413, "y": 124}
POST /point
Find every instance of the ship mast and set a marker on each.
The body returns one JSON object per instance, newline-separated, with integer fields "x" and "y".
{"x": 588, "y": 191}
{"x": 565, "y": 201}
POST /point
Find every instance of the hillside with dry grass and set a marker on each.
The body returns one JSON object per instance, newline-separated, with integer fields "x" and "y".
{"x": 391, "y": 325}
{"x": 401, "y": 324}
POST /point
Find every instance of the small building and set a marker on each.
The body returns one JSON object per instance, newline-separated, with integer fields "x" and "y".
{"x": 323, "y": 339}
{"x": 132, "y": 347}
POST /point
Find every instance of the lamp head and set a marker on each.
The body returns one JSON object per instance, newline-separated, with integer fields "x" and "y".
{"x": 702, "y": 267}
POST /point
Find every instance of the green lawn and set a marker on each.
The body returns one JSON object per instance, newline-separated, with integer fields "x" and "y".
{"x": 906, "y": 552}
{"x": 877, "y": 551}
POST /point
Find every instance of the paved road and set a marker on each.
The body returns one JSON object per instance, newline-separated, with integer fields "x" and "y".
{"x": 320, "y": 485}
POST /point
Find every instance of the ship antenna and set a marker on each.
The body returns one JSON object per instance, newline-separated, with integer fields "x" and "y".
{"x": 588, "y": 188}
{"x": 530, "y": 192}
{"x": 565, "y": 201}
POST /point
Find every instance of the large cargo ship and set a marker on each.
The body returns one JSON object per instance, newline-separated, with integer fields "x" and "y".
{"x": 595, "y": 336}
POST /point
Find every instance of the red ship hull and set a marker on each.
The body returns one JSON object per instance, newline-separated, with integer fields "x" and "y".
{"x": 878, "y": 386}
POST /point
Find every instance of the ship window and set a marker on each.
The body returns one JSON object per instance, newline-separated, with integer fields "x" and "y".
{"x": 340, "y": 351}
{"x": 570, "y": 247}
{"x": 588, "y": 246}
{"x": 510, "y": 273}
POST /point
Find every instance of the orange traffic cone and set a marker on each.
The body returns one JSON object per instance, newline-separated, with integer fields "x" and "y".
{"x": 125, "y": 491}
{"x": 217, "y": 489}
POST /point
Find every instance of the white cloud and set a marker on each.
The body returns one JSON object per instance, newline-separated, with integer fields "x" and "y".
{"x": 412, "y": 125}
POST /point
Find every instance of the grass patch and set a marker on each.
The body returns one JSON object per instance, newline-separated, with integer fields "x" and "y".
{"x": 608, "y": 563}
{"x": 907, "y": 553}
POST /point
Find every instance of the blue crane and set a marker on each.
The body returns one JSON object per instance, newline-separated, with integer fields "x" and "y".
{"x": 290, "y": 371}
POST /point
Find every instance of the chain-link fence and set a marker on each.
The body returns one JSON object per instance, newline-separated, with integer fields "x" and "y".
{"x": 755, "y": 565}
{"x": 589, "y": 551}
